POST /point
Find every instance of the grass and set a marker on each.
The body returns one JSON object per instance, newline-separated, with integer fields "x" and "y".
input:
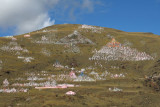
{"x": 96, "y": 94}
{"x": 92, "y": 94}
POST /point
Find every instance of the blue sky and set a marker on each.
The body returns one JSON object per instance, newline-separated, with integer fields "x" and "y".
{"x": 126, "y": 15}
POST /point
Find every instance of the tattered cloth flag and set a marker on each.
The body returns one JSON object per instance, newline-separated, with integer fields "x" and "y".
{"x": 81, "y": 74}
{"x": 72, "y": 74}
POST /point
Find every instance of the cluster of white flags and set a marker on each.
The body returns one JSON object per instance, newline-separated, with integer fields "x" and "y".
{"x": 93, "y": 29}
{"x": 120, "y": 53}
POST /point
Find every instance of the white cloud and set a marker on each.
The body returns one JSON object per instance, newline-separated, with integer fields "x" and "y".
{"x": 25, "y": 15}
{"x": 29, "y": 15}
{"x": 41, "y": 21}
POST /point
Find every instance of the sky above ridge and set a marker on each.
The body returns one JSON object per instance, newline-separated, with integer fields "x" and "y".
{"x": 22, "y": 16}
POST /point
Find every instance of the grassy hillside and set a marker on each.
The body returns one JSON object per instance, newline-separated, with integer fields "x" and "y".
{"x": 20, "y": 55}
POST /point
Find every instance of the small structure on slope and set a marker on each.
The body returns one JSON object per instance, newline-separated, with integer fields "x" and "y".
{"x": 113, "y": 43}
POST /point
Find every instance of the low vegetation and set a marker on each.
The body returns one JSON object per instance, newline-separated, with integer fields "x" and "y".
{"x": 101, "y": 66}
